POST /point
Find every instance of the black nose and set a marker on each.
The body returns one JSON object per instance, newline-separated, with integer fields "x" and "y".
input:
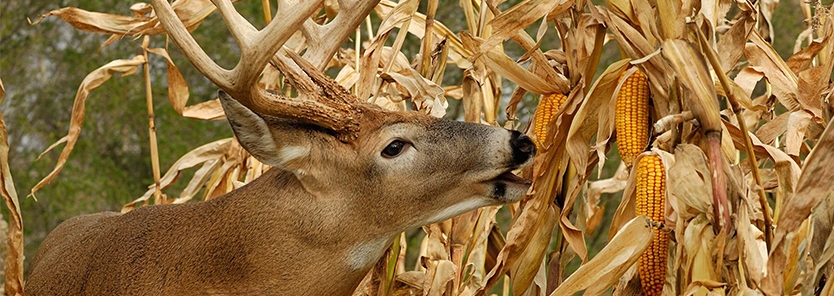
{"x": 523, "y": 147}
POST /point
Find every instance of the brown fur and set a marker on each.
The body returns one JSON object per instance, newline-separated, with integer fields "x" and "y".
{"x": 312, "y": 225}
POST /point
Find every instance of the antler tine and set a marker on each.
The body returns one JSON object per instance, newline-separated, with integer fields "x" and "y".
{"x": 257, "y": 51}
{"x": 325, "y": 40}
{"x": 177, "y": 31}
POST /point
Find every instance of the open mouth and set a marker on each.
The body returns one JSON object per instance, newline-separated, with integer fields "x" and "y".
{"x": 509, "y": 177}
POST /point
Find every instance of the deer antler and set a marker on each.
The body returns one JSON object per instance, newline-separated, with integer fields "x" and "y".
{"x": 324, "y": 105}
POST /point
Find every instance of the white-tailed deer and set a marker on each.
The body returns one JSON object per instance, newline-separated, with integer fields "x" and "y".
{"x": 348, "y": 177}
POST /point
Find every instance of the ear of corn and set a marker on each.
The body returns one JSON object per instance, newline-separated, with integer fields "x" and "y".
{"x": 544, "y": 113}
{"x": 632, "y": 116}
{"x": 650, "y": 201}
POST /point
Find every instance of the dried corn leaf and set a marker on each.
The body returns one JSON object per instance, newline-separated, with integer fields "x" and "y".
{"x": 213, "y": 151}
{"x": 474, "y": 271}
{"x": 813, "y": 185}
{"x": 637, "y": 47}
{"x": 646, "y": 20}
{"x": 201, "y": 176}
{"x": 764, "y": 59}
{"x": 821, "y": 249}
{"x": 622, "y": 8}
{"x": 91, "y": 82}
{"x": 593, "y": 213}
{"x": 595, "y": 117}
{"x": 670, "y": 13}
{"x": 102, "y": 23}
{"x": 698, "y": 242}
{"x": 521, "y": 272}
{"x": 813, "y": 82}
{"x": 13, "y": 276}
{"x": 747, "y": 78}
{"x": 439, "y": 270}
{"x": 398, "y": 16}
{"x": 730, "y": 47}
{"x": 347, "y": 77}
{"x": 369, "y": 66}
{"x": 439, "y": 274}
{"x": 690, "y": 187}
{"x": 691, "y": 68}
{"x": 208, "y": 110}
{"x": 177, "y": 88}
{"x": 507, "y": 24}
{"x": 498, "y": 61}
{"x": 425, "y": 94}
{"x": 795, "y": 132}
{"x": 418, "y": 26}
{"x": 605, "y": 269}
{"x": 222, "y": 179}
{"x": 753, "y": 246}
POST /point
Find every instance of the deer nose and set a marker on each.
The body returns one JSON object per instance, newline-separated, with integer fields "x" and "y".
{"x": 523, "y": 147}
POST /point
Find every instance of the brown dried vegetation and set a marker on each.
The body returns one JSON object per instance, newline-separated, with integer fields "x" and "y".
{"x": 728, "y": 155}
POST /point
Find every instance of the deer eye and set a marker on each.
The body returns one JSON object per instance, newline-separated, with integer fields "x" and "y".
{"x": 395, "y": 148}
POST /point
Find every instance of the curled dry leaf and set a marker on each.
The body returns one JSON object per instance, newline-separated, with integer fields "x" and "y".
{"x": 605, "y": 269}
{"x": 191, "y": 12}
{"x": 13, "y": 277}
{"x": 594, "y": 118}
{"x": 439, "y": 270}
{"x": 177, "y": 88}
{"x": 208, "y": 110}
{"x": 637, "y": 47}
{"x": 595, "y": 190}
{"x": 764, "y": 59}
{"x": 91, "y": 82}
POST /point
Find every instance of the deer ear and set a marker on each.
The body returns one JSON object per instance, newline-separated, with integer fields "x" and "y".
{"x": 255, "y": 136}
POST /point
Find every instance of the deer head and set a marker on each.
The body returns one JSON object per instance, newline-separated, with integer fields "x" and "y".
{"x": 329, "y": 140}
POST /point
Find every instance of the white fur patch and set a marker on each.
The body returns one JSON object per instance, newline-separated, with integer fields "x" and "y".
{"x": 457, "y": 209}
{"x": 290, "y": 153}
{"x": 365, "y": 254}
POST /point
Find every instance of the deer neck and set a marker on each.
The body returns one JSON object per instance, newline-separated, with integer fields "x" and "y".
{"x": 302, "y": 222}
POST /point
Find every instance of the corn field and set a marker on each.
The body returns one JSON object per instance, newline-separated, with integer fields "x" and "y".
{"x": 723, "y": 147}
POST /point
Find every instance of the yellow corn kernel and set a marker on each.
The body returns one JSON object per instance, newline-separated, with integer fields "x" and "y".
{"x": 650, "y": 201}
{"x": 631, "y": 116}
{"x": 544, "y": 113}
